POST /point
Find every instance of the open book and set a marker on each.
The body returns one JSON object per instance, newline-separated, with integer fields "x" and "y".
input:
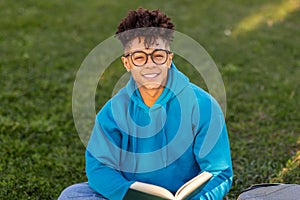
{"x": 145, "y": 191}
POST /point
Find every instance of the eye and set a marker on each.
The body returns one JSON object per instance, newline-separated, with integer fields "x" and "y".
{"x": 138, "y": 58}
{"x": 159, "y": 55}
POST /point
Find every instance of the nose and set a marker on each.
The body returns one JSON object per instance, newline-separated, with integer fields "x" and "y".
{"x": 149, "y": 62}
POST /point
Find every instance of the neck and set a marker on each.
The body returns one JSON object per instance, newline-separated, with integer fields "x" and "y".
{"x": 150, "y": 95}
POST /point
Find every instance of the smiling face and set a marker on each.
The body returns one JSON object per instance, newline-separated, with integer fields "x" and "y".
{"x": 150, "y": 76}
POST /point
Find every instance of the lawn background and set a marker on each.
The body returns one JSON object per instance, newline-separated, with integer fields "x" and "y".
{"x": 255, "y": 45}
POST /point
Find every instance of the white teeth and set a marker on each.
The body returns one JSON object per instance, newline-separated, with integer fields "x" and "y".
{"x": 150, "y": 75}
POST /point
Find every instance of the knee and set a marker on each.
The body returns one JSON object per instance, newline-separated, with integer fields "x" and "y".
{"x": 80, "y": 191}
{"x": 72, "y": 191}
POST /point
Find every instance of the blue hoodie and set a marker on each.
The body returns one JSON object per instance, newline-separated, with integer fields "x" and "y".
{"x": 167, "y": 144}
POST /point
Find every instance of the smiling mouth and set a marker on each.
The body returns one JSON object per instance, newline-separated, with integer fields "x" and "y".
{"x": 150, "y": 76}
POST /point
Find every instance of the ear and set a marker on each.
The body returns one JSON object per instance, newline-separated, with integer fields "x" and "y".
{"x": 126, "y": 63}
{"x": 169, "y": 61}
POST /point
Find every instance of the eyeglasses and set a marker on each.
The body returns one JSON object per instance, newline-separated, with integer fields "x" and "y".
{"x": 140, "y": 58}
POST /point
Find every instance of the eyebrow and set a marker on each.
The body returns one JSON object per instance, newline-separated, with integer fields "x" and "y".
{"x": 128, "y": 53}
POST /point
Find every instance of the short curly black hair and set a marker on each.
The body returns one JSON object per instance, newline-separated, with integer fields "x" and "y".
{"x": 150, "y": 24}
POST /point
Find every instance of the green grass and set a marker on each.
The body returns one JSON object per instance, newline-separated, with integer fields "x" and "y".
{"x": 43, "y": 43}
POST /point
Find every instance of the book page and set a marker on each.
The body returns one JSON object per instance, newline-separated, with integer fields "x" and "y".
{"x": 192, "y": 185}
{"x": 152, "y": 189}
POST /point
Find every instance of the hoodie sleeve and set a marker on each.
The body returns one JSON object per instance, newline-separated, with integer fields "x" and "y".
{"x": 102, "y": 159}
{"x": 212, "y": 151}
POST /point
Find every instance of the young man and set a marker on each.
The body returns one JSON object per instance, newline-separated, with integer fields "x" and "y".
{"x": 160, "y": 128}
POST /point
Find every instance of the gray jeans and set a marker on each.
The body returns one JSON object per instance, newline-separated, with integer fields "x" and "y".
{"x": 80, "y": 191}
